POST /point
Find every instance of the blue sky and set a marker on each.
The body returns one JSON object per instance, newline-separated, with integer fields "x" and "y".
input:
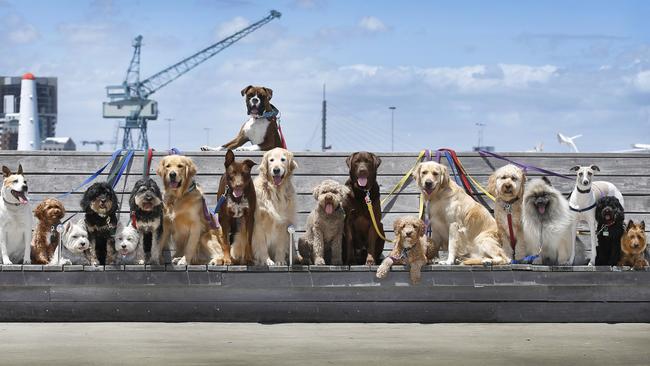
{"x": 526, "y": 69}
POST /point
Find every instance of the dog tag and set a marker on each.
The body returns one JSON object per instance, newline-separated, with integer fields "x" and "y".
{"x": 605, "y": 232}
{"x": 59, "y": 228}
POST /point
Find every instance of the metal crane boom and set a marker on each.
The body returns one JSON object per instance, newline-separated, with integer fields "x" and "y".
{"x": 164, "y": 77}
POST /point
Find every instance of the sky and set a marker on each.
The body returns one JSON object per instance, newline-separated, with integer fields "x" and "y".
{"x": 525, "y": 69}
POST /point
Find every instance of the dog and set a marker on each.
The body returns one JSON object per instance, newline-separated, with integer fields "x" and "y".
{"x": 237, "y": 213}
{"x": 548, "y": 224}
{"x": 583, "y": 202}
{"x": 146, "y": 208}
{"x": 15, "y": 218}
{"x": 363, "y": 245}
{"x": 187, "y": 219}
{"x": 633, "y": 245}
{"x": 129, "y": 248}
{"x": 46, "y": 238}
{"x": 99, "y": 203}
{"x": 261, "y": 129}
{"x": 276, "y": 207}
{"x": 610, "y": 223}
{"x": 507, "y": 185}
{"x": 467, "y": 227}
{"x": 75, "y": 247}
{"x": 410, "y": 247}
{"x": 325, "y": 225}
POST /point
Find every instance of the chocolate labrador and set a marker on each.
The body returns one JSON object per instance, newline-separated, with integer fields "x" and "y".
{"x": 362, "y": 244}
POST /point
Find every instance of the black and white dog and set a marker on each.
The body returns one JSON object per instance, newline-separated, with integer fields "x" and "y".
{"x": 583, "y": 203}
{"x": 610, "y": 220}
{"x": 99, "y": 203}
{"x": 147, "y": 217}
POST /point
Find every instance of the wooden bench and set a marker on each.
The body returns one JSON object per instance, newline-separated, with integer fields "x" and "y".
{"x": 324, "y": 293}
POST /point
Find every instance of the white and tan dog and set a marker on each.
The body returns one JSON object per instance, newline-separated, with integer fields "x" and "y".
{"x": 15, "y": 219}
{"x": 468, "y": 228}
{"x": 276, "y": 207}
{"x": 583, "y": 203}
{"x": 507, "y": 184}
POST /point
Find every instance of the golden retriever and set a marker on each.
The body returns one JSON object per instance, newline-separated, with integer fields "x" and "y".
{"x": 276, "y": 207}
{"x": 468, "y": 228}
{"x": 410, "y": 247}
{"x": 506, "y": 184}
{"x": 185, "y": 220}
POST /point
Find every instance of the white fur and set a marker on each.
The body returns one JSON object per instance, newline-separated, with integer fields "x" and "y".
{"x": 15, "y": 226}
{"x": 255, "y": 129}
{"x": 579, "y": 200}
{"x": 128, "y": 246}
{"x": 72, "y": 251}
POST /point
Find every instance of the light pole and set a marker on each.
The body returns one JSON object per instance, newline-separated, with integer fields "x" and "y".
{"x": 207, "y": 134}
{"x": 169, "y": 132}
{"x": 392, "y": 128}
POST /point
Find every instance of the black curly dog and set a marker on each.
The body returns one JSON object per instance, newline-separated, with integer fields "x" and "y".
{"x": 147, "y": 212}
{"x": 99, "y": 203}
{"x": 610, "y": 226}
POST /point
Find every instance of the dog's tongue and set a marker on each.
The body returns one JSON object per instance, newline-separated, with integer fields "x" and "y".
{"x": 362, "y": 181}
{"x": 541, "y": 209}
{"x": 173, "y": 184}
{"x": 329, "y": 208}
{"x": 255, "y": 112}
{"x": 277, "y": 180}
{"x": 23, "y": 200}
{"x": 237, "y": 192}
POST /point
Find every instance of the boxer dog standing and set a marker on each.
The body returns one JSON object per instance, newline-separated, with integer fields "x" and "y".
{"x": 261, "y": 129}
{"x": 583, "y": 202}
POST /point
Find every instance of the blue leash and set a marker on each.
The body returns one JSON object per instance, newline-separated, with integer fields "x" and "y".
{"x": 529, "y": 259}
{"x": 94, "y": 175}
{"x": 125, "y": 163}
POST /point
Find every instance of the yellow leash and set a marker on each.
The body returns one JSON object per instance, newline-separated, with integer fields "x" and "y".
{"x": 405, "y": 178}
{"x": 373, "y": 219}
{"x": 476, "y": 183}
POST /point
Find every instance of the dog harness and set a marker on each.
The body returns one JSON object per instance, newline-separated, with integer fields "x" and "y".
{"x": 403, "y": 255}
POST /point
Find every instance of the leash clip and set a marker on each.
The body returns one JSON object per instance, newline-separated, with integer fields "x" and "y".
{"x": 507, "y": 207}
{"x": 367, "y": 199}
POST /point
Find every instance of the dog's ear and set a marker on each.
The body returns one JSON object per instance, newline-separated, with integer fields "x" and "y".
{"x": 642, "y": 225}
{"x": 269, "y": 91}
{"x": 444, "y": 176}
{"x": 492, "y": 184}
{"x": 575, "y": 168}
{"x": 345, "y": 191}
{"x": 292, "y": 162}
{"x": 20, "y": 169}
{"x": 630, "y": 225}
{"x": 66, "y": 227}
{"x": 190, "y": 168}
{"x": 39, "y": 211}
{"x": 416, "y": 172}
{"x": 398, "y": 225}
{"x": 6, "y": 171}
{"x": 316, "y": 192}
{"x": 522, "y": 186}
{"x": 595, "y": 168}
{"x": 264, "y": 165}
{"x": 249, "y": 163}
{"x": 377, "y": 160}
{"x": 421, "y": 228}
{"x": 349, "y": 159}
{"x": 243, "y": 91}
{"x": 230, "y": 158}
{"x": 160, "y": 170}
{"x": 547, "y": 181}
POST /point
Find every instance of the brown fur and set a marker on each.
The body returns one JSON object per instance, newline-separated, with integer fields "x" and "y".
{"x": 45, "y": 240}
{"x": 409, "y": 236}
{"x": 237, "y": 177}
{"x": 362, "y": 244}
{"x": 633, "y": 245}
{"x": 184, "y": 221}
{"x": 507, "y": 185}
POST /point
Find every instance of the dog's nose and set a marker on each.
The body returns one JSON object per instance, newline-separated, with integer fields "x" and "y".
{"x": 25, "y": 187}
{"x": 255, "y": 100}
{"x": 82, "y": 244}
{"x": 172, "y": 175}
{"x": 408, "y": 232}
{"x": 103, "y": 200}
{"x": 123, "y": 246}
{"x": 276, "y": 171}
{"x": 507, "y": 185}
{"x": 428, "y": 184}
{"x": 585, "y": 182}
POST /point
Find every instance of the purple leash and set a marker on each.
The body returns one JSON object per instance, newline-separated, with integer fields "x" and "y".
{"x": 526, "y": 167}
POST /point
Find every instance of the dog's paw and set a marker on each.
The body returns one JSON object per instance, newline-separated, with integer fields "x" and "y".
{"x": 446, "y": 262}
{"x": 7, "y": 261}
{"x": 319, "y": 261}
{"x": 415, "y": 278}
{"x": 27, "y": 261}
{"x": 179, "y": 261}
{"x": 223, "y": 261}
{"x": 270, "y": 262}
{"x": 66, "y": 262}
{"x": 591, "y": 264}
{"x": 216, "y": 262}
{"x": 382, "y": 272}
{"x": 141, "y": 261}
{"x": 486, "y": 262}
{"x": 370, "y": 261}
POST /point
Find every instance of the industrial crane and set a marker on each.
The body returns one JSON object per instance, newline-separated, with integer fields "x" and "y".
{"x": 130, "y": 100}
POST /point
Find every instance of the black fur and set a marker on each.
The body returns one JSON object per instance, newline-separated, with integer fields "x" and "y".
{"x": 101, "y": 230}
{"x": 608, "y": 250}
{"x": 149, "y": 187}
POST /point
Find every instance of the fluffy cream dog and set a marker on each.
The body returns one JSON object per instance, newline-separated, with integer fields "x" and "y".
{"x": 276, "y": 207}
{"x": 129, "y": 249}
{"x": 468, "y": 228}
{"x": 507, "y": 184}
{"x": 547, "y": 222}
{"x": 410, "y": 248}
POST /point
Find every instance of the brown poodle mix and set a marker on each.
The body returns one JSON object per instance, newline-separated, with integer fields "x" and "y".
{"x": 633, "y": 245}
{"x": 45, "y": 240}
{"x": 237, "y": 213}
{"x": 410, "y": 247}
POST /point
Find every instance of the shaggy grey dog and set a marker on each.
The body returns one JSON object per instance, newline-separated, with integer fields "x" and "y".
{"x": 325, "y": 225}
{"x": 547, "y": 222}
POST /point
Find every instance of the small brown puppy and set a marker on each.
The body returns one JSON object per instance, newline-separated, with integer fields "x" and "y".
{"x": 410, "y": 247}
{"x": 362, "y": 244}
{"x": 633, "y": 246}
{"x": 237, "y": 212}
{"x": 45, "y": 240}
{"x": 187, "y": 219}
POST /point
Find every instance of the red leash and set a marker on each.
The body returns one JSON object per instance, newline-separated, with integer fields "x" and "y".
{"x": 284, "y": 143}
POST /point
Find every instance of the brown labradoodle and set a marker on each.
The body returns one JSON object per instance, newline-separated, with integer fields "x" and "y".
{"x": 45, "y": 240}
{"x": 410, "y": 247}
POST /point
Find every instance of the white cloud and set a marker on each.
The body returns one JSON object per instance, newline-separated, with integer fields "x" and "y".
{"x": 642, "y": 81}
{"x": 228, "y": 28}
{"x": 372, "y": 24}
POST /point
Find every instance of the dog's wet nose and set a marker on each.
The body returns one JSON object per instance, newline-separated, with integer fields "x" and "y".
{"x": 255, "y": 100}
{"x": 428, "y": 184}
{"x": 82, "y": 244}
{"x": 24, "y": 187}
{"x": 172, "y": 175}
{"x": 276, "y": 171}
{"x": 507, "y": 186}
{"x": 585, "y": 182}
{"x": 408, "y": 232}
{"x": 123, "y": 246}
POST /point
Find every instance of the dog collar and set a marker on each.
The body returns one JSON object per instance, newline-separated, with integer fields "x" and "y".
{"x": 584, "y": 190}
{"x": 507, "y": 205}
{"x": 582, "y": 209}
{"x": 191, "y": 187}
{"x": 403, "y": 255}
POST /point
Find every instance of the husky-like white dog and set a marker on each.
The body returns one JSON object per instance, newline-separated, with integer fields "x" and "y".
{"x": 15, "y": 219}
{"x": 583, "y": 203}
